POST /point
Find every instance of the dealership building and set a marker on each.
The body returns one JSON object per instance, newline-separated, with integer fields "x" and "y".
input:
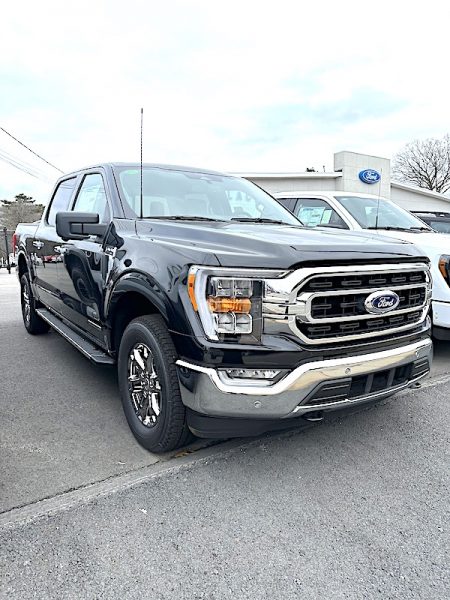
{"x": 355, "y": 172}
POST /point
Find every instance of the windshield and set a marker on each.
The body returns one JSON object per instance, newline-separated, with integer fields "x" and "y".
{"x": 191, "y": 195}
{"x": 364, "y": 210}
{"x": 442, "y": 226}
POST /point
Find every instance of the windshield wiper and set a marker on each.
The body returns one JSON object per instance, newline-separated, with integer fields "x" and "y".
{"x": 389, "y": 228}
{"x": 184, "y": 218}
{"x": 260, "y": 220}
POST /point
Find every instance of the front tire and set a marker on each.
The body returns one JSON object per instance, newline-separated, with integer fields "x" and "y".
{"x": 148, "y": 384}
{"x": 32, "y": 321}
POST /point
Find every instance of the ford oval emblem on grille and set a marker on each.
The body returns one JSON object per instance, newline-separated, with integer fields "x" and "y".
{"x": 379, "y": 303}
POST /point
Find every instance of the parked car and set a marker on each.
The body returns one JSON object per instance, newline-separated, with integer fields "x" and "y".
{"x": 439, "y": 221}
{"x": 223, "y": 314}
{"x": 361, "y": 212}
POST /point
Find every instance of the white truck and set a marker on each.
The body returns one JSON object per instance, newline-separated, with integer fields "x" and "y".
{"x": 358, "y": 211}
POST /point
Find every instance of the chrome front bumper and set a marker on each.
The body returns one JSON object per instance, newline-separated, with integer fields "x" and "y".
{"x": 206, "y": 390}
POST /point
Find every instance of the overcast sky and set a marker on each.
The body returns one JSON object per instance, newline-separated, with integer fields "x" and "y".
{"x": 236, "y": 86}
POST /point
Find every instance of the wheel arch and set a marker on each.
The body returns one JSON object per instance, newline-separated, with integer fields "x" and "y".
{"x": 134, "y": 295}
{"x": 22, "y": 264}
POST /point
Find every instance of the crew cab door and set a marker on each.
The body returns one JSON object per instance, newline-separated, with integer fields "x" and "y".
{"x": 84, "y": 265}
{"x": 44, "y": 249}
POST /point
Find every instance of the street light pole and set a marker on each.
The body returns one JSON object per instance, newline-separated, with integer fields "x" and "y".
{"x": 7, "y": 250}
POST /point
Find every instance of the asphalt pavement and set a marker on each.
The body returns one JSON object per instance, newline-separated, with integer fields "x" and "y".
{"x": 356, "y": 507}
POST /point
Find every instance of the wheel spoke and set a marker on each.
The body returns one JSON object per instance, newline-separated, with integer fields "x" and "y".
{"x": 144, "y": 385}
{"x": 138, "y": 358}
{"x": 155, "y": 403}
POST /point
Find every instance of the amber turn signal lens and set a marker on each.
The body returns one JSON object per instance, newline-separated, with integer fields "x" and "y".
{"x": 191, "y": 290}
{"x": 224, "y": 305}
{"x": 443, "y": 265}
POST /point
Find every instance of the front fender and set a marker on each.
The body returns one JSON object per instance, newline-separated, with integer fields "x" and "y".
{"x": 147, "y": 287}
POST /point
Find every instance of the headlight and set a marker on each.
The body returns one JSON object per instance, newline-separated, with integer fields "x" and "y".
{"x": 444, "y": 267}
{"x": 228, "y": 301}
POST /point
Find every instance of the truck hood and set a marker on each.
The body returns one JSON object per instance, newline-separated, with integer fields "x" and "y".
{"x": 430, "y": 243}
{"x": 271, "y": 246}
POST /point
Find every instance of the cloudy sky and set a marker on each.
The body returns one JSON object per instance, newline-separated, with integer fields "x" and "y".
{"x": 236, "y": 85}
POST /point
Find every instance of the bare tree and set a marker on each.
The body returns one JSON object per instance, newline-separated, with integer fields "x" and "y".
{"x": 22, "y": 209}
{"x": 425, "y": 163}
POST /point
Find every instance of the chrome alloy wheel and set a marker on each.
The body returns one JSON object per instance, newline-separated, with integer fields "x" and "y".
{"x": 26, "y": 305}
{"x": 144, "y": 385}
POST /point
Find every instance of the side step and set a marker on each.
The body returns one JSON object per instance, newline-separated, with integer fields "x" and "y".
{"x": 82, "y": 344}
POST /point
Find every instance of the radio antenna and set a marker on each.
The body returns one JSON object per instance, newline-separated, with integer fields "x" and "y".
{"x": 378, "y": 199}
{"x": 142, "y": 196}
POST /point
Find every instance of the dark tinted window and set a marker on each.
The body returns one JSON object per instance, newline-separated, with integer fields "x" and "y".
{"x": 61, "y": 199}
{"x": 438, "y": 225}
{"x": 288, "y": 203}
{"x": 91, "y": 197}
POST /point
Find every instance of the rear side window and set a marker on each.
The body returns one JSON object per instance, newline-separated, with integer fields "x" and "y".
{"x": 288, "y": 203}
{"x": 61, "y": 199}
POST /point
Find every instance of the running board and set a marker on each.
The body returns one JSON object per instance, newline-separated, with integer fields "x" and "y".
{"x": 86, "y": 347}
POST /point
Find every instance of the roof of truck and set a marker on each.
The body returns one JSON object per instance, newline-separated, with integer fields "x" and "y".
{"x": 137, "y": 165}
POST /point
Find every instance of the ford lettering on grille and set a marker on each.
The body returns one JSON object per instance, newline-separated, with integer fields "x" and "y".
{"x": 379, "y": 303}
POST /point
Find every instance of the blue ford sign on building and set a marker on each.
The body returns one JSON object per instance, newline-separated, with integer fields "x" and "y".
{"x": 369, "y": 176}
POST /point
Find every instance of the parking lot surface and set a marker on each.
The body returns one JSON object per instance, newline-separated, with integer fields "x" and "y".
{"x": 354, "y": 508}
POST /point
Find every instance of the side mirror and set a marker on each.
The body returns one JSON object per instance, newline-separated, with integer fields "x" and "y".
{"x": 78, "y": 225}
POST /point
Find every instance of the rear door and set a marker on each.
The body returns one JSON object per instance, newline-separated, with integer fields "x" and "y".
{"x": 84, "y": 265}
{"x": 45, "y": 247}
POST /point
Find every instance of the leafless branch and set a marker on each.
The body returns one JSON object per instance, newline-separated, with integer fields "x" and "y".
{"x": 425, "y": 163}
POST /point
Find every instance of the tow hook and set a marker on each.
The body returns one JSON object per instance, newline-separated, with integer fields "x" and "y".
{"x": 416, "y": 385}
{"x": 314, "y": 416}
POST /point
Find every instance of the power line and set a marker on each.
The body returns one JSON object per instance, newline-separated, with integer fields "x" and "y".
{"x": 22, "y": 166}
{"x": 21, "y": 162}
{"x": 32, "y": 151}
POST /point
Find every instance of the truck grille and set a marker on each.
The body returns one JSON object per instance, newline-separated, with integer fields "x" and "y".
{"x": 351, "y": 305}
{"x": 380, "y": 325}
{"x": 336, "y": 306}
{"x": 364, "y": 280}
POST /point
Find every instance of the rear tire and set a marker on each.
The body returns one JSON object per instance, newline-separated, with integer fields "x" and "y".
{"x": 32, "y": 321}
{"x": 149, "y": 387}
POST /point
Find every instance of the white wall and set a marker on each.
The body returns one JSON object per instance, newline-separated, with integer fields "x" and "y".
{"x": 412, "y": 200}
{"x": 294, "y": 184}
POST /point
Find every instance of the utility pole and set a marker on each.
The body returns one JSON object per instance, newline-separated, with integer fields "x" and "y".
{"x": 8, "y": 264}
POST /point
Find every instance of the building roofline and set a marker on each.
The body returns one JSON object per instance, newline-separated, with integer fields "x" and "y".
{"x": 302, "y": 175}
{"x": 418, "y": 190}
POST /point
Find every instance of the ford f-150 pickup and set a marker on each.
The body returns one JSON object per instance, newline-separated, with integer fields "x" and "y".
{"x": 224, "y": 315}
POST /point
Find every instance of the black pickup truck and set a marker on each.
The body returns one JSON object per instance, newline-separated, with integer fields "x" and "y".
{"x": 224, "y": 315}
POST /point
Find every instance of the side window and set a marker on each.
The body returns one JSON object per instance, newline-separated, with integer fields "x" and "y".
{"x": 91, "y": 197}
{"x": 61, "y": 199}
{"x": 288, "y": 203}
{"x": 314, "y": 212}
